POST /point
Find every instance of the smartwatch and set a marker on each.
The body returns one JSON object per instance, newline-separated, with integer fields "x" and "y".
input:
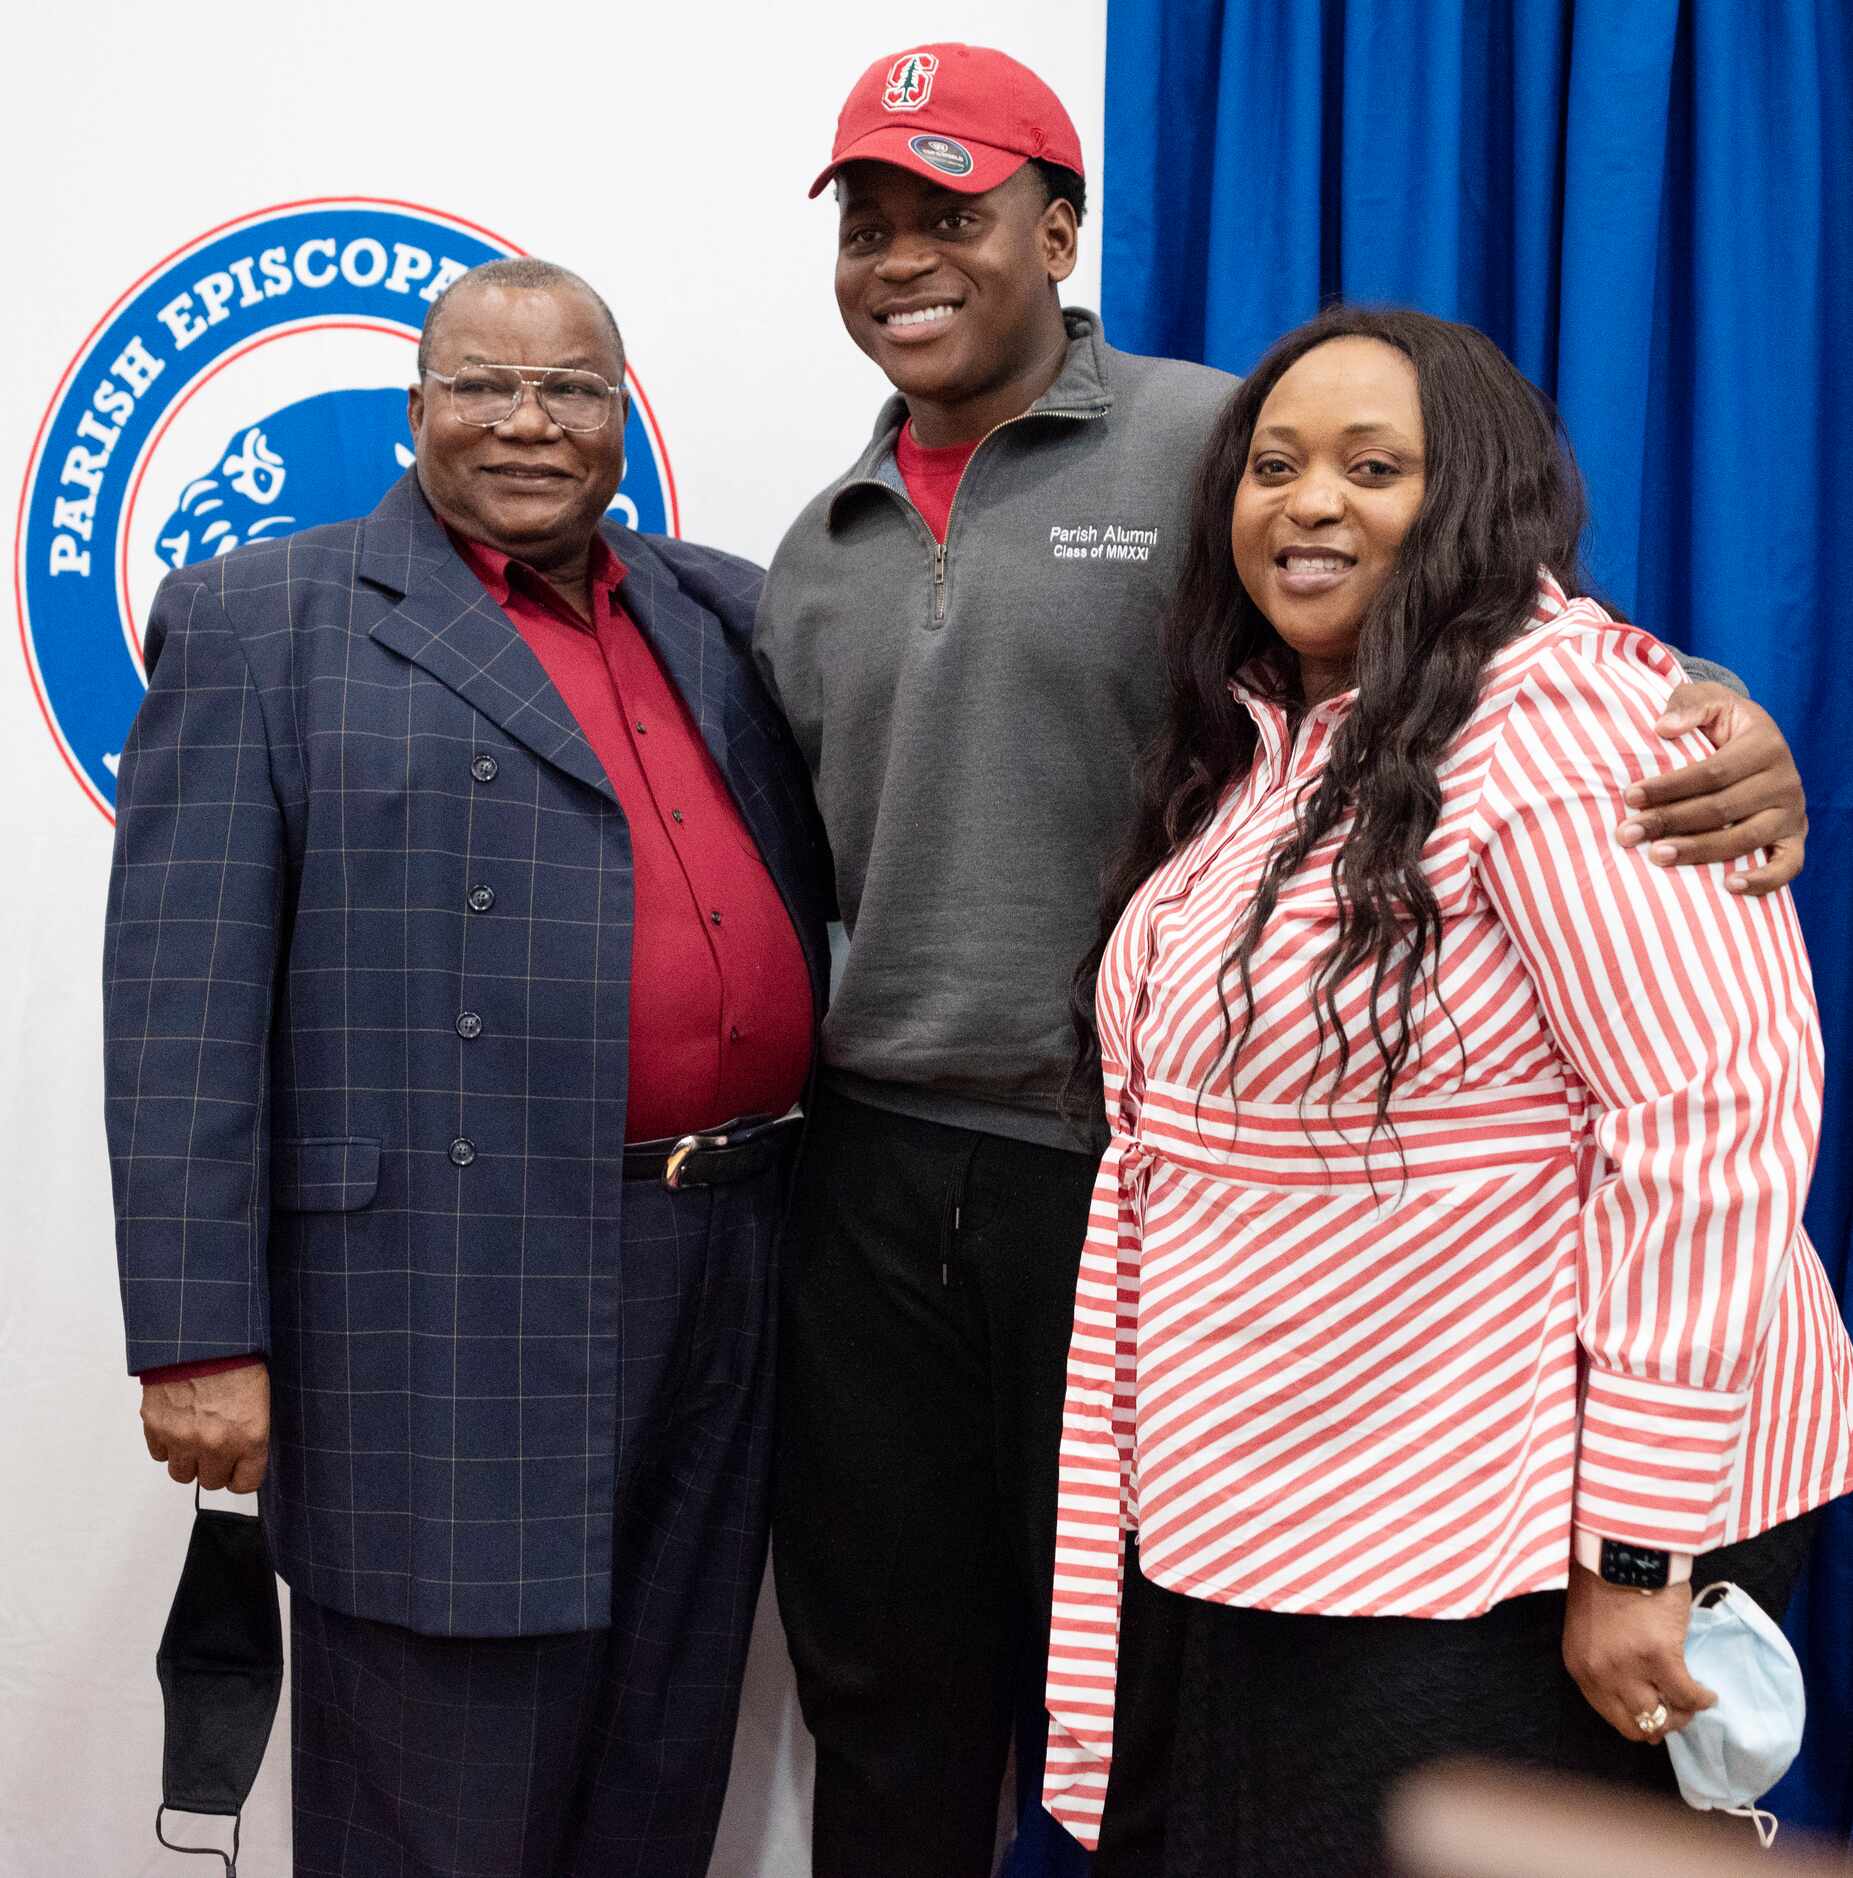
{"x": 1634, "y": 1567}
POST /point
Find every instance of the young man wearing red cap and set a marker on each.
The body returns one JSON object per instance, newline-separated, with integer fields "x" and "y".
{"x": 963, "y": 634}
{"x": 959, "y": 673}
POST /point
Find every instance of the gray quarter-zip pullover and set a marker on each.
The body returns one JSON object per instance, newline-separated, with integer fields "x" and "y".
{"x": 971, "y": 716}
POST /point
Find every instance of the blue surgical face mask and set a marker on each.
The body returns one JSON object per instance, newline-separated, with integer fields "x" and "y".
{"x": 1728, "y": 1756}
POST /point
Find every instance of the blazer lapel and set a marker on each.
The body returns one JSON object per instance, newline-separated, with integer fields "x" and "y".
{"x": 689, "y": 642}
{"x": 678, "y": 631}
{"x": 446, "y": 624}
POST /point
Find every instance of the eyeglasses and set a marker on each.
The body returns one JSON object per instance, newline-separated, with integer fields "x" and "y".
{"x": 488, "y": 395}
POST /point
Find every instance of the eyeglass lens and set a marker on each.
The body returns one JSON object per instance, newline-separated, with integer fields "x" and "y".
{"x": 574, "y": 400}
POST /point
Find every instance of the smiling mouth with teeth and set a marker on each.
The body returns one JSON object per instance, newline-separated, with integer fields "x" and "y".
{"x": 924, "y": 316}
{"x": 1306, "y": 573}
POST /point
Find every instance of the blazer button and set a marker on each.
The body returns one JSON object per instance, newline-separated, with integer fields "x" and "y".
{"x": 483, "y": 768}
{"x": 469, "y": 1024}
{"x": 481, "y": 899}
{"x": 462, "y": 1152}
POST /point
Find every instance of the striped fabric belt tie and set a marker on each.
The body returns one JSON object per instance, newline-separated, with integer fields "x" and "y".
{"x": 1285, "y": 1144}
{"x": 1080, "y": 1696}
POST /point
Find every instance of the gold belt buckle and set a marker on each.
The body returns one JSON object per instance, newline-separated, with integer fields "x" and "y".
{"x": 678, "y": 1156}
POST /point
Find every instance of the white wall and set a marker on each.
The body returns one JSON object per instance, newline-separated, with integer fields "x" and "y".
{"x": 128, "y": 131}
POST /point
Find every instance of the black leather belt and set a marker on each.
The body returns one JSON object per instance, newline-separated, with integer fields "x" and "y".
{"x": 736, "y": 1150}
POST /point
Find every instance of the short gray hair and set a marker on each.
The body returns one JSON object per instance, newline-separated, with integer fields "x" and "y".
{"x": 521, "y": 270}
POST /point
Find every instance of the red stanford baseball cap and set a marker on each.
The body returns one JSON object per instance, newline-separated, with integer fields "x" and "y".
{"x": 963, "y": 116}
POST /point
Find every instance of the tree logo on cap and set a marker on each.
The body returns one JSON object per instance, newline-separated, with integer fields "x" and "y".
{"x": 910, "y": 81}
{"x": 945, "y": 155}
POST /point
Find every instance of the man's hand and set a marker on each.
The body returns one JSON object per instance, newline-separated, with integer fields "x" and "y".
{"x": 1628, "y": 1654}
{"x": 215, "y": 1429}
{"x": 1747, "y": 796}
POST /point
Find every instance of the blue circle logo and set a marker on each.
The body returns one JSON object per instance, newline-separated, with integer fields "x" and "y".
{"x": 251, "y": 384}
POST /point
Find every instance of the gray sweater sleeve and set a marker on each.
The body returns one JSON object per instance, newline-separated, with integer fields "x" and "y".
{"x": 1703, "y": 671}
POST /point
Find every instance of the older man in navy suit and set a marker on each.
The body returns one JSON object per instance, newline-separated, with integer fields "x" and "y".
{"x": 465, "y": 949}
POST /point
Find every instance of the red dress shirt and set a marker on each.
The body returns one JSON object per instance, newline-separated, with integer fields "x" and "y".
{"x": 932, "y": 476}
{"x": 720, "y": 994}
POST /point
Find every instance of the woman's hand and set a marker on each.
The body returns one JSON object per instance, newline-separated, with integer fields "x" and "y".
{"x": 1628, "y": 1654}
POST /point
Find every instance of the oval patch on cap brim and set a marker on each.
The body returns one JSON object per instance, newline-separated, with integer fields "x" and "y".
{"x": 951, "y": 159}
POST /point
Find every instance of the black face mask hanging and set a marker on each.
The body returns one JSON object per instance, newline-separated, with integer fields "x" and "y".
{"x": 221, "y": 1670}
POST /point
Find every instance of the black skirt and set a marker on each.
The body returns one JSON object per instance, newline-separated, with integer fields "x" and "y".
{"x": 1291, "y": 1730}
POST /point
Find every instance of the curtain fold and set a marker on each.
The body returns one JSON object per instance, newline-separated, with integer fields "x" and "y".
{"x": 1649, "y": 204}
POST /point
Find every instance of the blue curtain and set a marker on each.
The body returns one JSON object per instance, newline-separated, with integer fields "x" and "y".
{"x": 1649, "y": 204}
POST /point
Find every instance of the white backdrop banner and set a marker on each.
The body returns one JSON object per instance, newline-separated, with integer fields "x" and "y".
{"x": 226, "y": 224}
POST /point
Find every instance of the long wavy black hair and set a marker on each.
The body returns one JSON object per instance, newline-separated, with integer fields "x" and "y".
{"x": 1502, "y": 498}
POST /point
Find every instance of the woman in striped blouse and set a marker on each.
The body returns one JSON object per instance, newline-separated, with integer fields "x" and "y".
{"x": 1445, "y": 1280}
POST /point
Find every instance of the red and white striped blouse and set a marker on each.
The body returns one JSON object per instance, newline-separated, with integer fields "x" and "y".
{"x": 1581, "y": 1295}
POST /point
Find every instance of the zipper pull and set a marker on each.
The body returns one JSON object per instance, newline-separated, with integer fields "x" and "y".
{"x": 939, "y": 582}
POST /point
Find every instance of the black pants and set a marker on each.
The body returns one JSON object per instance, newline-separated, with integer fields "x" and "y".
{"x": 928, "y": 1300}
{"x": 1292, "y": 1729}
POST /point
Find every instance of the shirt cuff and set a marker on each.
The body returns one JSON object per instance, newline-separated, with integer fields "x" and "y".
{"x": 189, "y": 1372}
{"x": 1654, "y": 1461}
{"x": 1586, "y": 1549}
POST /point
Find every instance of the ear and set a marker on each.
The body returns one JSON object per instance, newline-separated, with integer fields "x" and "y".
{"x": 415, "y": 408}
{"x": 1059, "y": 237}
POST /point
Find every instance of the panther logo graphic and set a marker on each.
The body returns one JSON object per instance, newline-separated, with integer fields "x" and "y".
{"x": 346, "y": 447}
{"x": 250, "y": 385}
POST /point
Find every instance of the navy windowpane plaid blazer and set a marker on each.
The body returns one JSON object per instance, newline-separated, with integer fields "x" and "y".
{"x": 352, "y": 808}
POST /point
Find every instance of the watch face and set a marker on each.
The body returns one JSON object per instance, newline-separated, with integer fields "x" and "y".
{"x": 1639, "y": 1567}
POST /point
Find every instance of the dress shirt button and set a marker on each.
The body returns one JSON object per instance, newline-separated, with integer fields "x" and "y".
{"x": 714, "y": 918}
{"x": 483, "y": 768}
{"x": 481, "y": 899}
{"x": 469, "y": 1024}
{"x": 733, "y": 1033}
{"x": 462, "y": 1152}
{"x": 642, "y": 728}
{"x": 675, "y": 815}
